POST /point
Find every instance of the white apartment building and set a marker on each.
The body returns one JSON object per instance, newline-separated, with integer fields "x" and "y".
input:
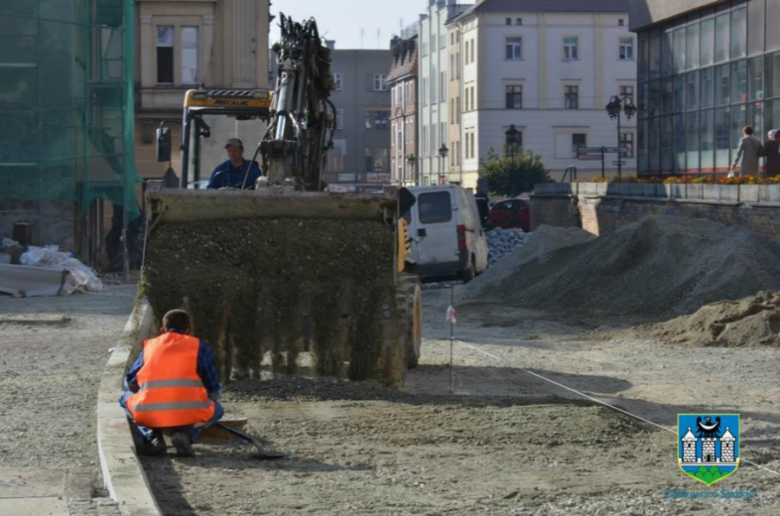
{"x": 549, "y": 68}
{"x": 432, "y": 89}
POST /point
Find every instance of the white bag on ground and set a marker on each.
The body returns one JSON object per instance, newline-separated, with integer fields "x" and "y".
{"x": 80, "y": 277}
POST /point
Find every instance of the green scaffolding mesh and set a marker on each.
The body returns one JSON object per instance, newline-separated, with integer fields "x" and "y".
{"x": 66, "y": 102}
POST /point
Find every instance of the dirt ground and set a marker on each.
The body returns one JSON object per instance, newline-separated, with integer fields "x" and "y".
{"x": 52, "y": 353}
{"x": 507, "y": 443}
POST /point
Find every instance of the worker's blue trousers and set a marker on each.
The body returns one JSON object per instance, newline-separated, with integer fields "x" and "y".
{"x": 194, "y": 431}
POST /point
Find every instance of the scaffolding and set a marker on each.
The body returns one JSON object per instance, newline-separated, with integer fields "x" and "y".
{"x": 67, "y": 106}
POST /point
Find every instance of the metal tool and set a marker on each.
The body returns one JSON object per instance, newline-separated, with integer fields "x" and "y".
{"x": 260, "y": 452}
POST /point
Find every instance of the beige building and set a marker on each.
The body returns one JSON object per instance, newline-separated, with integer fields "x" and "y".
{"x": 181, "y": 45}
{"x": 455, "y": 172}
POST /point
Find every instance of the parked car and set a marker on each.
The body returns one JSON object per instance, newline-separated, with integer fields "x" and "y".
{"x": 447, "y": 236}
{"x": 511, "y": 213}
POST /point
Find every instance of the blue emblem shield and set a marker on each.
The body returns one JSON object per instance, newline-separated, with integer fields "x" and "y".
{"x": 708, "y": 445}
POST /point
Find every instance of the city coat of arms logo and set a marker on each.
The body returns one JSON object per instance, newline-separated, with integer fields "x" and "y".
{"x": 708, "y": 445}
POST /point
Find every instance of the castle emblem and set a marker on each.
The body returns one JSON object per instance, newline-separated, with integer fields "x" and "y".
{"x": 708, "y": 445}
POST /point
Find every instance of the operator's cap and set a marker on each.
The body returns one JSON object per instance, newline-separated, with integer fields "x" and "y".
{"x": 234, "y": 142}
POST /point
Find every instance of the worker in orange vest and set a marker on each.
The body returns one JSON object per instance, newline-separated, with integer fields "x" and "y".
{"x": 173, "y": 386}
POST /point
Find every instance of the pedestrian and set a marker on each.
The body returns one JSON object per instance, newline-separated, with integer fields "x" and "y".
{"x": 173, "y": 386}
{"x": 483, "y": 205}
{"x": 771, "y": 150}
{"x": 749, "y": 152}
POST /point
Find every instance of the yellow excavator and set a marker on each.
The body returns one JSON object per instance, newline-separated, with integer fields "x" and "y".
{"x": 283, "y": 274}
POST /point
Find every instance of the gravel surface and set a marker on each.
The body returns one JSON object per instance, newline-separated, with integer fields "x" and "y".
{"x": 50, "y": 368}
{"x": 506, "y": 443}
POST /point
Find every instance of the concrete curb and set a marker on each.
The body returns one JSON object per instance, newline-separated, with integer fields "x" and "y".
{"x": 123, "y": 476}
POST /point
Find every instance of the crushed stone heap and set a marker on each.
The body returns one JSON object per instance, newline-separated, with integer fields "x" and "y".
{"x": 658, "y": 266}
{"x": 749, "y": 322}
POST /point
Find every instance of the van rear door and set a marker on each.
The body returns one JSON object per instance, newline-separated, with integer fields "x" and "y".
{"x": 436, "y": 235}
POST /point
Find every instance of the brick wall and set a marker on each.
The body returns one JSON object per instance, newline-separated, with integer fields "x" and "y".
{"x": 601, "y": 208}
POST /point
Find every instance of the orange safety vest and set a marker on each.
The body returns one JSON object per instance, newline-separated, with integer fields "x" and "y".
{"x": 170, "y": 391}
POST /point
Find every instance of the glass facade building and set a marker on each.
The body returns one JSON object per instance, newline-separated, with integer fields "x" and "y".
{"x": 702, "y": 77}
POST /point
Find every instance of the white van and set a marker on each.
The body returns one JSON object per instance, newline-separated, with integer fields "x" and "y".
{"x": 447, "y": 237}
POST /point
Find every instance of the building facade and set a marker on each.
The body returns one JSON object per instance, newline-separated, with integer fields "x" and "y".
{"x": 454, "y": 104}
{"x": 360, "y": 159}
{"x": 187, "y": 45}
{"x": 433, "y": 90}
{"x": 549, "y": 69}
{"x": 705, "y": 70}
{"x": 402, "y": 81}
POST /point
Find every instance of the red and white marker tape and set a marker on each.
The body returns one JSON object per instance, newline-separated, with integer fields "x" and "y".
{"x": 452, "y": 314}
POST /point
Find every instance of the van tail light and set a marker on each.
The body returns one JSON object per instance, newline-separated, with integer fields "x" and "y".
{"x": 461, "y": 236}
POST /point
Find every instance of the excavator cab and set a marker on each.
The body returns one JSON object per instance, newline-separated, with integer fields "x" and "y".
{"x": 209, "y": 118}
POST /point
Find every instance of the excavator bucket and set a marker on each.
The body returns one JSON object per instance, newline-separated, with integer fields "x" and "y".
{"x": 287, "y": 280}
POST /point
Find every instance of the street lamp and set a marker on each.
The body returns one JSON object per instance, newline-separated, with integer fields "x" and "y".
{"x": 443, "y": 152}
{"x": 615, "y": 106}
{"x": 411, "y": 159}
{"x": 511, "y": 141}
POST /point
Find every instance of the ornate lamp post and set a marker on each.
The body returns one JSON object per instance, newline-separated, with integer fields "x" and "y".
{"x": 615, "y": 106}
{"x": 443, "y": 152}
{"x": 511, "y": 141}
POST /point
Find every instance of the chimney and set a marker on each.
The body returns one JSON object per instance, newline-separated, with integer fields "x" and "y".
{"x": 331, "y": 44}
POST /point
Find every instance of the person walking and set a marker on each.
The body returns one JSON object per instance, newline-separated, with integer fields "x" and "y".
{"x": 771, "y": 150}
{"x": 749, "y": 153}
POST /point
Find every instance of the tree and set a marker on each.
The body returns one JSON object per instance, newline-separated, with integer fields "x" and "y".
{"x": 513, "y": 175}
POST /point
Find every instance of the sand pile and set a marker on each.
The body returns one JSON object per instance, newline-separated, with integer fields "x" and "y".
{"x": 658, "y": 266}
{"x": 535, "y": 248}
{"x": 750, "y": 322}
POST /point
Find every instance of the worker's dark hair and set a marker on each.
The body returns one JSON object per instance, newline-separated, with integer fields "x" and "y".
{"x": 748, "y": 129}
{"x": 176, "y": 320}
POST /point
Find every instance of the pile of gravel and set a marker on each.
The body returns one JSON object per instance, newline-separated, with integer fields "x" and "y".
{"x": 534, "y": 247}
{"x": 658, "y": 266}
{"x": 750, "y": 322}
{"x": 502, "y": 242}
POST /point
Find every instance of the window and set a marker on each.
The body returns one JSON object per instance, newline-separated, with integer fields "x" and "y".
{"x": 738, "y": 33}
{"x": 165, "y": 55}
{"x": 336, "y": 156}
{"x": 189, "y": 55}
{"x": 337, "y": 82}
{"x": 678, "y": 49}
{"x": 509, "y": 21}
{"x": 692, "y": 47}
{"x": 577, "y": 140}
{"x": 380, "y": 83}
{"x": 739, "y": 82}
{"x": 434, "y": 207}
{"x": 443, "y": 86}
{"x": 722, "y": 82}
{"x": 339, "y": 119}
{"x": 514, "y": 48}
{"x": 722, "y": 32}
{"x": 621, "y": 22}
{"x": 707, "y": 42}
{"x": 627, "y": 142}
{"x": 571, "y": 97}
{"x": 377, "y": 119}
{"x": 627, "y": 92}
{"x": 518, "y": 21}
{"x": 570, "y": 48}
{"x": 472, "y": 50}
{"x": 514, "y": 97}
{"x": 626, "y": 49}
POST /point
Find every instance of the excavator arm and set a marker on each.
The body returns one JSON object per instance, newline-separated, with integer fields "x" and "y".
{"x": 294, "y": 149}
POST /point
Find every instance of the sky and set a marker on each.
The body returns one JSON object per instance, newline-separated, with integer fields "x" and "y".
{"x": 342, "y": 20}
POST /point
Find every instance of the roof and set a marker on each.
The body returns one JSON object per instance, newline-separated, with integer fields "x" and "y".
{"x": 404, "y": 59}
{"x": 689, "y": 435}
{"x": 549, "y": 6}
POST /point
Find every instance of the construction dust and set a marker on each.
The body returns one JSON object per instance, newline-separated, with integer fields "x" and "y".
{"x": 280, "y": 287}
{"x": 656, "y": 267}
{"x": 750, "y": 322}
